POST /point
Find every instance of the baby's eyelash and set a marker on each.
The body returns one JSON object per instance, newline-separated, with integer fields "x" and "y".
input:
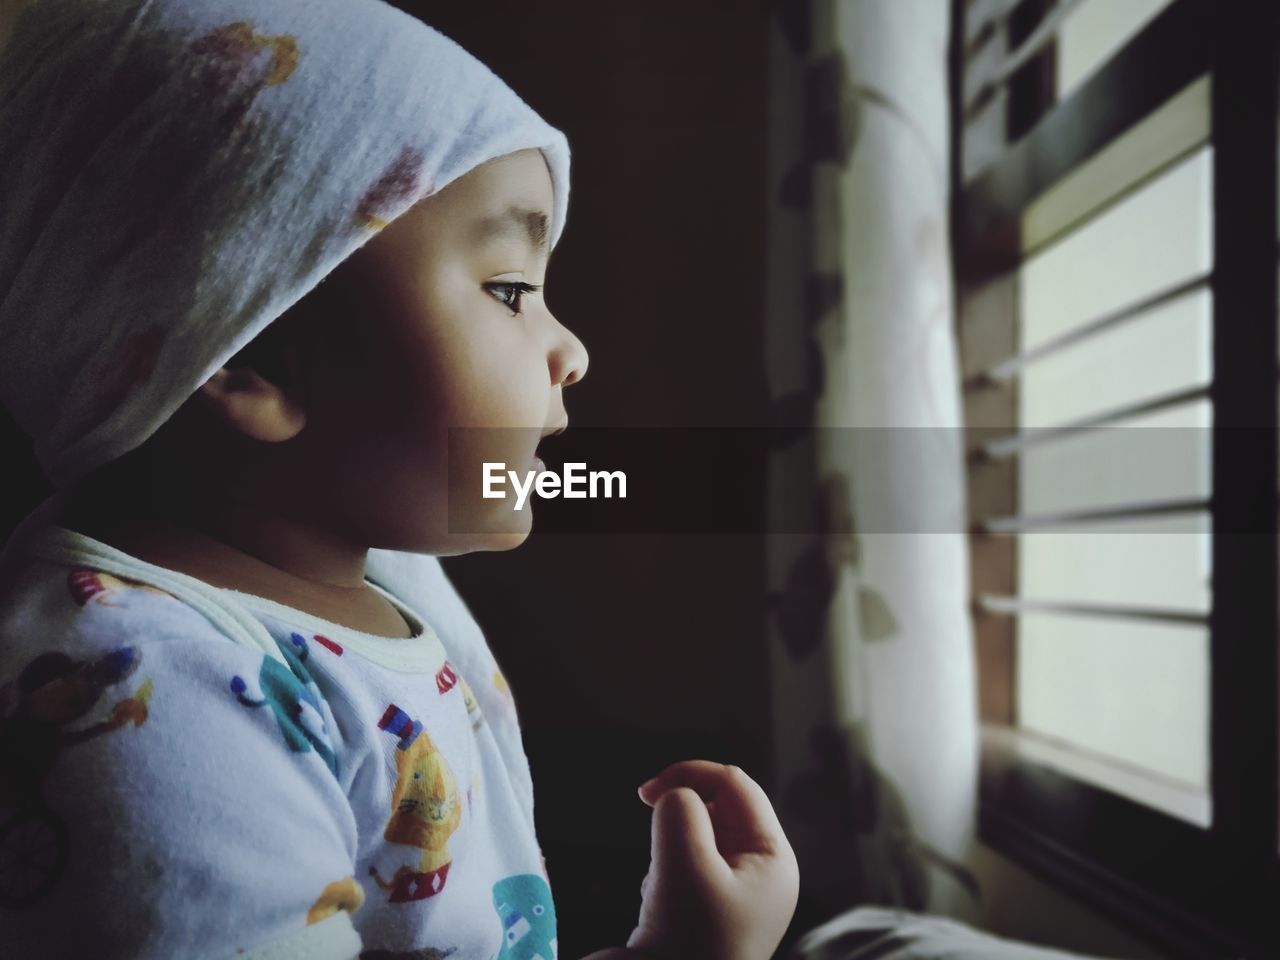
{"x": 519, "y": 288}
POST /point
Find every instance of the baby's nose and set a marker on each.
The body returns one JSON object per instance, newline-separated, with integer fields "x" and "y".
{"x": 569, "y": 359}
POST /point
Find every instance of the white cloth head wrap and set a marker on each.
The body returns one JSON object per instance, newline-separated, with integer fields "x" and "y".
{"x": 174, "y": 174}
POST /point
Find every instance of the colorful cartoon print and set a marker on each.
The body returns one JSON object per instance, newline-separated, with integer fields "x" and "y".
{"x": 399, "y": 724}
{"x": 424, "y": 810}
{"x": 500, "y": 682}
{"x": 473, "y": 706}
{"x": 344, "y": 894}
{"x": 293, "y": 697}
{"x": 528, "y": 917}
{"x": 508, "y": 702}
{"x": 99, "y": 586}
{"x": 331, "y": 645}
{"x": 229, "y": 66}
{"x": 52, "y": 691}
{"x": 398, "y": 185}
{"x": 446, "y": 678}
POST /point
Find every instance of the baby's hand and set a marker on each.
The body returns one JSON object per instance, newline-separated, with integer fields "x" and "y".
{"x": 723, "y": 880}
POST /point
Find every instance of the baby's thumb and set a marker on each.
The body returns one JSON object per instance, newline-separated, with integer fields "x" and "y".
{"x": 684, "y": 842}
{"x": 671, "y": 907}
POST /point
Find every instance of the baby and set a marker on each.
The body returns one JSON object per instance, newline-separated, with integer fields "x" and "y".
{"x": 242, "y": 713}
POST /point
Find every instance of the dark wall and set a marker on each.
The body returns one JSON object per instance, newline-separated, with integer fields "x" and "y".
{"x": 628, "y": 651}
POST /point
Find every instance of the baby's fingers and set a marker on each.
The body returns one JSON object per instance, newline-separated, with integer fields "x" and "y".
{"x": 684, "y": 841}
{"x": 740, "y": 810}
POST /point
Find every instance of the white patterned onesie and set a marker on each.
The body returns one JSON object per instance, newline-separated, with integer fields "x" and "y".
{"x": 190, "y": 771}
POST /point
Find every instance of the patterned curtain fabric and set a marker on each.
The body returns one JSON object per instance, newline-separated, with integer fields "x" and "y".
{"x": 874, "y": 685}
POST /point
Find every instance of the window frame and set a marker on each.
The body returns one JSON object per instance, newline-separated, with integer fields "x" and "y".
{"x": 1193, "y": 892}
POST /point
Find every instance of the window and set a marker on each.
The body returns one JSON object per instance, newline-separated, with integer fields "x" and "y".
{"x": 1115, "y": 228}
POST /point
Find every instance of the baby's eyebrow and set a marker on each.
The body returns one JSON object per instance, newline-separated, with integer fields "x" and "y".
{"x": 517, "y": 222}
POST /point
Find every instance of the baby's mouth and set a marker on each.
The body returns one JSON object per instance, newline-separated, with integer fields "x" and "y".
{"x": 538, "y": 462}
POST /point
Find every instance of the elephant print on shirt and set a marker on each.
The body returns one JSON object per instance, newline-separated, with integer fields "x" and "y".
{"x": 528, "y": 916}
{"x": 292, "y": 694}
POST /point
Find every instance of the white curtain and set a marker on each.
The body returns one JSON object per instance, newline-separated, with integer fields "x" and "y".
{"x": 873, "y": 672}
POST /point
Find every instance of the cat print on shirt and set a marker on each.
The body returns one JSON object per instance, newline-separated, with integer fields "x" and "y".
{"x": 424, "y": 810}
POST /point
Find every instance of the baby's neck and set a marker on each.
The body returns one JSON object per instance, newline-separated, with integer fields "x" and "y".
{"x": 231, "y": 563}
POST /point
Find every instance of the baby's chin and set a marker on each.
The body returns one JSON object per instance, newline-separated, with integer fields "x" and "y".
{"x": 508, "y": 535}
{"x": 493, "y": 543}
{"x": 508, "y": 541}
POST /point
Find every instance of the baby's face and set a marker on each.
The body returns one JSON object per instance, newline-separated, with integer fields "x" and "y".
{"x": 424, "y": 329}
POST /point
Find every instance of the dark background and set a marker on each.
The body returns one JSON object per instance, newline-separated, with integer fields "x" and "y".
{"x": 630, "y": 651}
{"x": 625, "y": 651}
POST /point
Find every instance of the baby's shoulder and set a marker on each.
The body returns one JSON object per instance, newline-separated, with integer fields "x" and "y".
{"x": 84, "y": 608}
{"x": 84, "y": 651}
{"x": 75, "y": 625}
{"x": 144, "y": 745}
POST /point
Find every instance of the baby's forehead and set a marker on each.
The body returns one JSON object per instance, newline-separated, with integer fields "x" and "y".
{"x": 489, "y": 213}
{"x": 508, "y": 197}
{"x": 499, "y": 213}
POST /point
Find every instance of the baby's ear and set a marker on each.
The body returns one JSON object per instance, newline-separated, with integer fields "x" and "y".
{"x": 249, "y": 403}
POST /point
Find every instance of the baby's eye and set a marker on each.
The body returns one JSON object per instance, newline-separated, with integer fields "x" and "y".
{"x": 510, "y": 293}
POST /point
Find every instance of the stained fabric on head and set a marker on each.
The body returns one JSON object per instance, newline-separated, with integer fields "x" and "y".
{"x": 175, "y": 174}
